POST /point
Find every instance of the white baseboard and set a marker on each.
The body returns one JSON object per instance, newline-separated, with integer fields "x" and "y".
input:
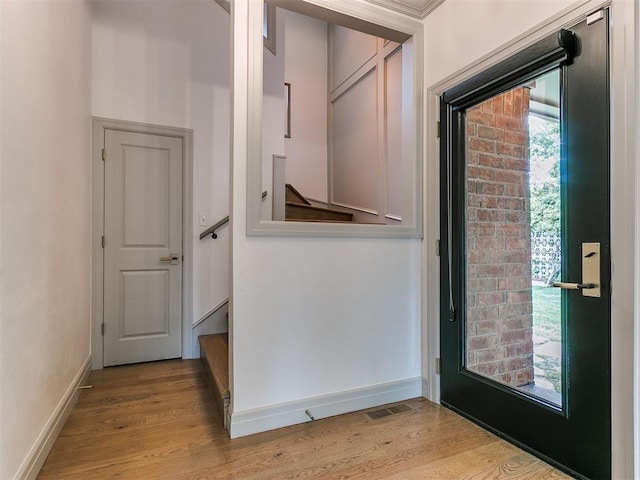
{"x": 257, "y": 420}
{"x": 38, "y": 454}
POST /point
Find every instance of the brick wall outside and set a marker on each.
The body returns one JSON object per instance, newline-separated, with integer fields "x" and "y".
{"x": 499, "y": 305}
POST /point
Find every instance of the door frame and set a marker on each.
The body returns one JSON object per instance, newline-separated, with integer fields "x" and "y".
{"x": 625, "y": 222}
{"x": 98, "y": 127}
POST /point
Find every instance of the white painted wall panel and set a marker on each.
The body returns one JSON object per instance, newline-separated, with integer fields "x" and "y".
{"x": 44, "y": 216}
{"x": 350, "y": 50}
{"x": 167, "y": 63}
{"x": 354, "y": 162}
{"x": 306, "y": 69}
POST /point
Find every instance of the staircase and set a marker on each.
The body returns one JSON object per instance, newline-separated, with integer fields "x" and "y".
{"x": 214, "y": 354}
{"x": 298, "y": 208}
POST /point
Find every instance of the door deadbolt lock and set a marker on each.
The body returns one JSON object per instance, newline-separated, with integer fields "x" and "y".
{"x": 173, "y": 258}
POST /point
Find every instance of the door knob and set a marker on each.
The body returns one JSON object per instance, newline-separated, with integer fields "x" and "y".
{"x": 173, "y": 258}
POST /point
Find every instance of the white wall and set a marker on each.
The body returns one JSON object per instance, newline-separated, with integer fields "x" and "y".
{"x": 458, "y": 35}
{"x": 460, "y": 32}
{"x": 306, "y": 69}
{"x": 166, "y": 62}
{"x": 319, "y": 316}
{"x": 313, "y": 316}
{"x": 45, "y": 217}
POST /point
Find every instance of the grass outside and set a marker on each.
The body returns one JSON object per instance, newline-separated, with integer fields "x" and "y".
{"x": 547, "y": 313}
{"x": 547, "y": 325}
{"x": 551, "y": 368}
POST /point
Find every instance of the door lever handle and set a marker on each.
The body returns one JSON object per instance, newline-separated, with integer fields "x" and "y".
{"x": 574, "y": 286}
{"x": 174, "y": 258}
{"x": 591, "y": 284}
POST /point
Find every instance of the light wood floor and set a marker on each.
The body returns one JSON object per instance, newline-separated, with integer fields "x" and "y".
{"x": 158, "y": 421}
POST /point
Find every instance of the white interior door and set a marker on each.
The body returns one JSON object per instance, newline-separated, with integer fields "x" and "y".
{"x": 143, "y": 247}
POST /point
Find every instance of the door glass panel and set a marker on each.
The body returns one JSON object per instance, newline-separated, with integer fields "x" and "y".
{"x": 513, "y": 238}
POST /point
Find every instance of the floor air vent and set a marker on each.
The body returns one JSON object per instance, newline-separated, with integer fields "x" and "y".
{"x": 385, "y": 412}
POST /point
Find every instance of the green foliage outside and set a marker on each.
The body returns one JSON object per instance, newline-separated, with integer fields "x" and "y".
{"x": 544, "y": 154}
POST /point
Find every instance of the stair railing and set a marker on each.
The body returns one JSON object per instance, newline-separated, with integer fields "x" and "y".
{"x": 212, "y": 229}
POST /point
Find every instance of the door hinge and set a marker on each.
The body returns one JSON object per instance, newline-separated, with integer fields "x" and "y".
{"x": 102, "y": 329}
{"x": 438, "y": 369}
{"x": 102, "y": 241}
{"x": 437, "y": 248}
{"x": 595, "y": 17}
{"x": 438, "y": 129}
{"x": 104, "y": 154}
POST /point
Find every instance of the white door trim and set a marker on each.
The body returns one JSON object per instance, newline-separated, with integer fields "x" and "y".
{"x": 98, "y": 127}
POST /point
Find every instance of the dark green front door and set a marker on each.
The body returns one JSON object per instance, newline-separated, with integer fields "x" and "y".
{"x": 525, "y": 206}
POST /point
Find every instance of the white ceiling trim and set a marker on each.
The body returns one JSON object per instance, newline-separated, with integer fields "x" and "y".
{"x": 414, "y": 8}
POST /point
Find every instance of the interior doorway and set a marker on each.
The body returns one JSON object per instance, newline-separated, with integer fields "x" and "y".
{"x": 141, "y": 242}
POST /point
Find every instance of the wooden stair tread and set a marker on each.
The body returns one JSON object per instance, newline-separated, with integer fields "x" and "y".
{"x": 214, "y": 351}
{"x": 299, "y": 208}
{"x": 299, "y": 211}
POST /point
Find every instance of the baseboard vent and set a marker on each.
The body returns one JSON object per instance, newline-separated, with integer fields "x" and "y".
{"x": 385, "y": 412}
